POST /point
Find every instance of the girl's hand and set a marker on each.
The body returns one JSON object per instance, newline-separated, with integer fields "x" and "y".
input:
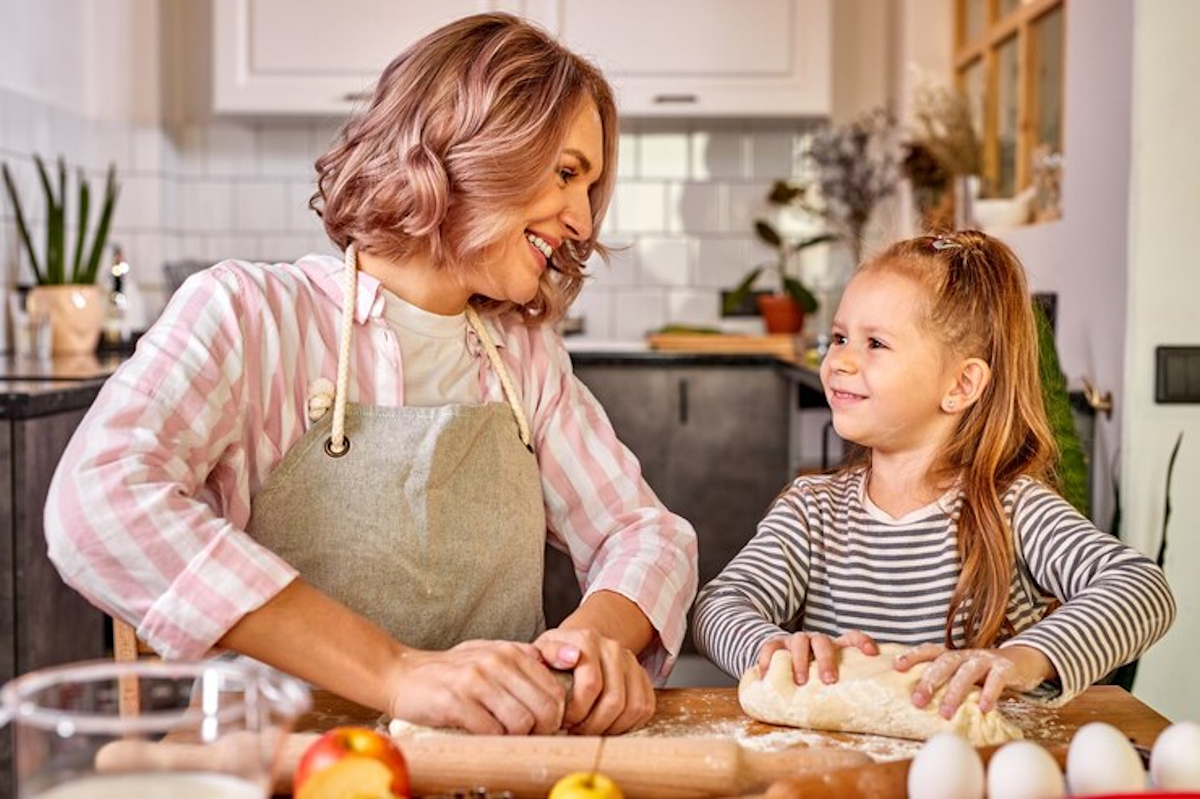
{"x": 809, "y": 646}
{"x": 487, "y": 687}
{"x": 1020, "y": 668}
{"x": 611, "y": 693}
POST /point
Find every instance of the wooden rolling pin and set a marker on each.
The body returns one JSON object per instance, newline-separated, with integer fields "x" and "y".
{"x": 529, "y": 767}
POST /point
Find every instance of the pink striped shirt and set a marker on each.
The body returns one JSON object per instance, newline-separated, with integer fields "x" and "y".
{"x": 147, "y": 511}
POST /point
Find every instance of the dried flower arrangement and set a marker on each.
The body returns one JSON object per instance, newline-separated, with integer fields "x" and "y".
{"x": 943, "y": 146}
{"x": 854, "y": 166}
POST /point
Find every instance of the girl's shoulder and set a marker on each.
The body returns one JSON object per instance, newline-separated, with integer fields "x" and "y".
{"x": 844, "y": 487}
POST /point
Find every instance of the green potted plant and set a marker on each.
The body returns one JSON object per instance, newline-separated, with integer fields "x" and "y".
{"x": 783, "y": 309}
{"x": 66, "y": 283}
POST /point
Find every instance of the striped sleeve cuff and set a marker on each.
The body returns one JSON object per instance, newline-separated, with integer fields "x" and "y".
{"x": 232, "y": 576}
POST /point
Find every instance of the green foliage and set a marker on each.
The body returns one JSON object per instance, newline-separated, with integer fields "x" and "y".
{"x": 86, "y": 261}
{"x": 781, "y": 194}
{"x": 1072, "y": 462}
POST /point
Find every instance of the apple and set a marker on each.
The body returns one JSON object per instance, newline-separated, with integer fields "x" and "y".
{"x": 586, "y": 785}
{"x": 350, "y": 762}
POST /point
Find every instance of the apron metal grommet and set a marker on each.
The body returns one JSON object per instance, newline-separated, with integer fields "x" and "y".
{"x": 333, "y": 453}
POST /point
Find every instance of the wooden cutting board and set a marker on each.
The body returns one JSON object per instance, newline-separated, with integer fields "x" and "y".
{"x": 779, "y": 345}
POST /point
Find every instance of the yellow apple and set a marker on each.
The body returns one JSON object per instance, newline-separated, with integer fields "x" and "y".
{"x": 586, "y": 785}
{"x": 351, "y": 762}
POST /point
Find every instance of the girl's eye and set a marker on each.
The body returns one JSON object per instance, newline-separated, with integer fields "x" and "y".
{"x": 837, "y": 338}
{"x": 876, "y": 344}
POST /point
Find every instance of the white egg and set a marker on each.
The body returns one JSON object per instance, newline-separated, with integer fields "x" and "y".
{"x": 946, "y": 767}
{"x": 1102, "y": 760}
{"x": 1175, "y": 759}
{"x": 1024, "y": 770}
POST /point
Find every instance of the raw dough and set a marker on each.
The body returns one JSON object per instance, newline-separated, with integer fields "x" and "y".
{"x": 870, "y": 696}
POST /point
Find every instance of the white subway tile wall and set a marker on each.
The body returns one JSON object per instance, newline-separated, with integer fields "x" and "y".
{"x": 681, "y": 219}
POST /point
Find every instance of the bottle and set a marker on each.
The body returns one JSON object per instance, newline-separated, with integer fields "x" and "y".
{"x": 116, "y": 317}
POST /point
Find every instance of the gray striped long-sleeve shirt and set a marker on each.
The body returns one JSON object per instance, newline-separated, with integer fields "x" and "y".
{"x": 826, "y": 560}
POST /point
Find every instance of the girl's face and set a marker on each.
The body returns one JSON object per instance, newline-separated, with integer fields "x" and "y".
{"x": 562, "y": 210}
{"x": 885, "y": 376}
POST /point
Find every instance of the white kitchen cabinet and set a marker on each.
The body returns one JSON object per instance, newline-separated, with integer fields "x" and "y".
{"x": 665, "y": 57}
{"x": 315, "y": 57}
{"x": 703, "y": 58}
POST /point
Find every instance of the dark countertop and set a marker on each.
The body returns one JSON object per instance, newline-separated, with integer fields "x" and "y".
{"x": 39, "y": 388}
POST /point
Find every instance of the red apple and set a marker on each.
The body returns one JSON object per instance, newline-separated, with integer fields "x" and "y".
{"x": 586, "y": 785}
{"x": 351, "y": 762}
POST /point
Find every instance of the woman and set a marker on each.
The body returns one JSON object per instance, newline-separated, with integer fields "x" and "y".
{"x": 349, "y": 470}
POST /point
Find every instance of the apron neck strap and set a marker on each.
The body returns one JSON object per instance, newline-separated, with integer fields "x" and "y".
{"x": 337, "y": 438}
{"x": 510, "y": 393}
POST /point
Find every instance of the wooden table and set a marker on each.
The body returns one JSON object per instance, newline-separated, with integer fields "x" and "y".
{"x": 714, "y": 713}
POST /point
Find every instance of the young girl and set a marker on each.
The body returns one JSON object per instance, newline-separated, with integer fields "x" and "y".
{"x": 948, "y": 537}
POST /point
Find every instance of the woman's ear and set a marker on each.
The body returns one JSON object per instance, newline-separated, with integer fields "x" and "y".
{"x": 973, "y": 377}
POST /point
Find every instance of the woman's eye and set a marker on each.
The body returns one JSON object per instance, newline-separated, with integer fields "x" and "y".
{"x": 565, "y": 174}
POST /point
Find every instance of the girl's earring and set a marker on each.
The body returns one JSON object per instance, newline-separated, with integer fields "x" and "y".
{"x": 949, "y": 405}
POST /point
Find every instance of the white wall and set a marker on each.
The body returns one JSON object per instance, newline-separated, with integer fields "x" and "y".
{"x": 1163, "y": 286}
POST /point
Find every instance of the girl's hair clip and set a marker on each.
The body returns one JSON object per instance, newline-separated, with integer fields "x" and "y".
{"x": 945, "y": 243}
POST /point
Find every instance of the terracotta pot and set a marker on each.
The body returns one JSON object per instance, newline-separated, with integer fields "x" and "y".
{"x": 780, "y": 313}
{"x": 76, "y": 316}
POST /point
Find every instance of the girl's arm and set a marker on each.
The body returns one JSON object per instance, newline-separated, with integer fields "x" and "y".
{"x": 1115, "y": 601}
{"x": 758, "y": 592}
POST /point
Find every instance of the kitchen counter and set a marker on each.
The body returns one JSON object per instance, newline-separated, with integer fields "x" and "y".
{"x": 30, "y": 388}
{"x": 712, "y": 715}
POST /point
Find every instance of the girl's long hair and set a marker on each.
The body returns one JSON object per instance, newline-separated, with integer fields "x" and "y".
{"x": 979, "y": 306}
{"x": 464, "y": 129}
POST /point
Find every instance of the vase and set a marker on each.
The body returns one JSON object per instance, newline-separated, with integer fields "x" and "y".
{"x": 76, "y": 316}
{"x": 780, "y": 313}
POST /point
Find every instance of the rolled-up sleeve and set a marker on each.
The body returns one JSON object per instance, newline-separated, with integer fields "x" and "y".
{"x": 600, "y": 509}
{"x": 145, "y": 512}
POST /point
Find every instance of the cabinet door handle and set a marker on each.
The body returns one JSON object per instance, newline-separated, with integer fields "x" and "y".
{"x": 354, "y": 97}
{"x": 683, "y": 401}
{"x": 676, "y": 99}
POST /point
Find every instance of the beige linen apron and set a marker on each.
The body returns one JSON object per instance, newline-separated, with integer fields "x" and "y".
{"x": 427, "y": 520}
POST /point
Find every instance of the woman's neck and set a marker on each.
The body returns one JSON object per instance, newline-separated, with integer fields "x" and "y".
{"x": 900, "y": 483}
{"x": 418, "y": 282}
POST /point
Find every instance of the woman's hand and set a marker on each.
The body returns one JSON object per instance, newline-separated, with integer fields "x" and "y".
{"x": 488, "y": 687}
{"x": 805, "y": 647}
{"x": 1020, "y": 668}
{"x": 611, "y": 693}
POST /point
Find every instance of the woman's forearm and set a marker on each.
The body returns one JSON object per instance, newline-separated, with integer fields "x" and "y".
{"x": 613, "y": 616}
{"x": 306, "y": 633}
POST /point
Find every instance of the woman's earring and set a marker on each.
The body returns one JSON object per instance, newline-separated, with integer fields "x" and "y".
{"x": 949, "y": 405}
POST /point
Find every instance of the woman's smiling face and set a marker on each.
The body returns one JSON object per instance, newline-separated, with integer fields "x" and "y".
{"x": 513, "y": 265}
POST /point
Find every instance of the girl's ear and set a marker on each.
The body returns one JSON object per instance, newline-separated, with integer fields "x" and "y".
{"x": 973, "y": 377}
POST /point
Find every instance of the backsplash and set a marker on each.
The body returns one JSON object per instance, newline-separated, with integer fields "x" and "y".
{"x": 680, "y": 224}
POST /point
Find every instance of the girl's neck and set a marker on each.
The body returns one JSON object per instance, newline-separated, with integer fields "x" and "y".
{"x": 898, "y": 484}
{"x": 418, "y": 282}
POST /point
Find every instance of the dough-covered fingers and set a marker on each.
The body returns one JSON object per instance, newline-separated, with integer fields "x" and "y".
{"x": 859, "y": 640}
{"x": 936, "y": 674}
{"x": 971, "y": 670}
{"x": 824, "y": 651}
{"x": 768, "y": 648}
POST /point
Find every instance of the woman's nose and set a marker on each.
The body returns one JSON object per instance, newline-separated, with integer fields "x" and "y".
{"x": 577, "y": 216}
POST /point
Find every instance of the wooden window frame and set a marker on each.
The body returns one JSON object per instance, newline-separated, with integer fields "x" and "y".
{"x": 1021, "y": 22}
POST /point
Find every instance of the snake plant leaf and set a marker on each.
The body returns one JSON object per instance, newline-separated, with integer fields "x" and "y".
{"x": 85, "y": 200}
{"x": 111, "y": 190}
{"x": 55, "y": 229}
{"x": 803, "y": 297}
{"x": 22, "y": 228}
{"x": 740, "y": 292}
{"x": 1162, "y": 545}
